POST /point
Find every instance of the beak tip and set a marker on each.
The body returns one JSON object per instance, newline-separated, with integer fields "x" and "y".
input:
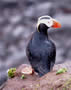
{"x": 56, "y": 24}
{"x": 59, "y": 25}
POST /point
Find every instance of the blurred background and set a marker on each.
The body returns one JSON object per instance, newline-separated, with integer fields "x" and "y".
{"x": 17, "y": 22}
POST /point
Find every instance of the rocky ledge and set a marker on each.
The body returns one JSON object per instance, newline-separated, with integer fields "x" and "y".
{"x": 50, "y": 81}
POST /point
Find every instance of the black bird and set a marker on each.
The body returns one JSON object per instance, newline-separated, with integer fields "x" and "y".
{"x": 41, "y": 51}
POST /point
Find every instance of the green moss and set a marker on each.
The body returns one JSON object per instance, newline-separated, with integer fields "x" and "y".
{"x": 64, "y": 89}
{"x": 22, "y": 88}
{"x": 62, "y": 70}
{"x": 22, "y": 77}
{"x": 11, "y": 72}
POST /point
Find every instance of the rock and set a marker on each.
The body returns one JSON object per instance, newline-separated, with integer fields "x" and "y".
{"x": 33, "y": 82}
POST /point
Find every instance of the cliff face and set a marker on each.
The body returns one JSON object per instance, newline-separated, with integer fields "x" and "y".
{"x": 18, "y": 20}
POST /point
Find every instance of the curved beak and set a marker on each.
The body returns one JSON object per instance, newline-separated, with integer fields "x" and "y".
{"x": 56, "y": 24}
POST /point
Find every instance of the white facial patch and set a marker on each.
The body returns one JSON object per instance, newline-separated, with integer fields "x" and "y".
{"x": 47, "y": 20}
{"x": 46, "y": 17}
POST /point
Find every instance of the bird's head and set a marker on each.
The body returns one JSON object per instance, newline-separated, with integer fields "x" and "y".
{"x": 45, "y": 22}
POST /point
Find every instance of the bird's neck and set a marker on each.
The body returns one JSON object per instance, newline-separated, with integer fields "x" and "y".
{"x": 42, "y": 35}
{"x": 42, "y": 29}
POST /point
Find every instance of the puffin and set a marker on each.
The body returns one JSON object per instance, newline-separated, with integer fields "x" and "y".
{"x": 41, "y": 51}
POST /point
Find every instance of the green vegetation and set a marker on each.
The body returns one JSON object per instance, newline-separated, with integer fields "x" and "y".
{"x": 11, "y": 72}
{"x": 22, "y": 88}
{"x": 62, "y": 70}
{"x": 22, "y": 77}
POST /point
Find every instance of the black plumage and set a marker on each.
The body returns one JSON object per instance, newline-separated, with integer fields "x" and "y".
{"x": 41, "y": 51}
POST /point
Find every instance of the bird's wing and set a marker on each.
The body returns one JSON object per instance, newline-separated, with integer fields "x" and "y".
{"x": 53, "y": 57}
{"x": 27, "y": 47}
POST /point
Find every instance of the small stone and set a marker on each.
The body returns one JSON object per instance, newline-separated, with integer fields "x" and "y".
{"x": 27, "y": 69}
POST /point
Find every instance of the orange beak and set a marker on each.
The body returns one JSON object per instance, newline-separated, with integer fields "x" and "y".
{"x": 56, "y": 24}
